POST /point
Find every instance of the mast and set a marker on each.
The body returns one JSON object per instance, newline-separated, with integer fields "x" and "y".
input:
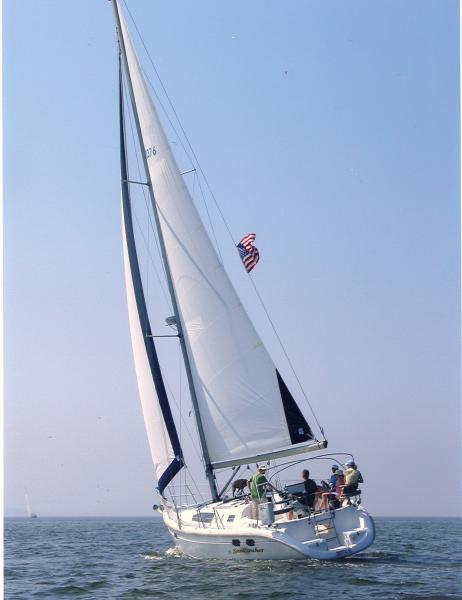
{"x": 208, "y": 467}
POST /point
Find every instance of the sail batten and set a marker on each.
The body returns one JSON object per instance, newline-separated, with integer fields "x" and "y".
{"x": 245, "y": 408}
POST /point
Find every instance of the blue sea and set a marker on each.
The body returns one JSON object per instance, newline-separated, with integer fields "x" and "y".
{"x": 133, "y": 558}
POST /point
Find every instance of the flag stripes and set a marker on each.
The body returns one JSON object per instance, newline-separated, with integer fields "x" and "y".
{"x": 248, "y": 253}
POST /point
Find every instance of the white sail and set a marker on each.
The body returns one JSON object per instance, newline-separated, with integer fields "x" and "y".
{"x": 30, "y": 513}
{"x": 236, "y": 383}
{"x": 159, "y": 443}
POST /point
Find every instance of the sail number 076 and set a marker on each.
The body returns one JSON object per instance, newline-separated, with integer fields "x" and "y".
{"x": 150, "y": 151}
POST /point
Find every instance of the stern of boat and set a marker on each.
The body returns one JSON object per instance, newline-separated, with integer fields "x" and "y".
{"x": 329, "y": 535}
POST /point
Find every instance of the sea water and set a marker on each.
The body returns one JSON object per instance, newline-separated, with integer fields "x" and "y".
{"x": 134, "y": 558}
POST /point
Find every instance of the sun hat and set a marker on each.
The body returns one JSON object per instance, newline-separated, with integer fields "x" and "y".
{"x": 262, "y": 467}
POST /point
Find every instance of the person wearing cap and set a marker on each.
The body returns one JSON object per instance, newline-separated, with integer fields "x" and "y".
{"x": 336, "y": 483}
{"x": 258, "y": 485}
{"x": 352, "y": 477}
{"x": 333, "y": 477}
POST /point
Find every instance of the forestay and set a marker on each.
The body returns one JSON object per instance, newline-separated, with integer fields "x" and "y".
{"x": 245, "y": 408}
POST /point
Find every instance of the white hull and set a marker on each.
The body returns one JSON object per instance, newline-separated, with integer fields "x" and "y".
{"x": 325, "y": 536}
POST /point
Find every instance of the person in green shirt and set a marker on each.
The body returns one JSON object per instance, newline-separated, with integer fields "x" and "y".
{"x": 258, "y": 485}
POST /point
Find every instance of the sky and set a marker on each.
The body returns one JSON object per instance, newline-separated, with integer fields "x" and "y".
{"x": 332, "y": 131}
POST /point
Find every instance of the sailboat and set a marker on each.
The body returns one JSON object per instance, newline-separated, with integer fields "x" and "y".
{"x": 29, "y": 511}
{"x": 243, "y": 409}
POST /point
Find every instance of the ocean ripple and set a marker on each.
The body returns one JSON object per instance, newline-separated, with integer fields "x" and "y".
{"x": 130, "y": 559}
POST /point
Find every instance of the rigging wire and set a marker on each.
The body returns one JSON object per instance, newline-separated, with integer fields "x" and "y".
{"x": 209, "y": 216}
{"x": 194, "y": 483}
{"x": 135, "y": 146}
{"x": 149, "y": 254}
{"x": 182, "y": 419}
{"x": 197, "y": 163}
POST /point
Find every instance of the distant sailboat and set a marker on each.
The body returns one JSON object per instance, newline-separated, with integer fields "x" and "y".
{"x": 29, "y": 511}
{"x": 244, "y": 410}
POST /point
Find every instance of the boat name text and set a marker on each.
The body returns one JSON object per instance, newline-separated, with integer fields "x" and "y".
{"x": 246, "y": 550}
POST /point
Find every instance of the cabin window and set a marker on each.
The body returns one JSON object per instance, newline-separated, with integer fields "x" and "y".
{"x": 205, "y": 517}
{"x": 236, "y": 542}
{"x": 231, "y": 518}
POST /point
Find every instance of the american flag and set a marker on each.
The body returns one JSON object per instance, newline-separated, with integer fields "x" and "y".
{"x": 248, "y": 253}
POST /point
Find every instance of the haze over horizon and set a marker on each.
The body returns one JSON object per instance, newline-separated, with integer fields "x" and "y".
{"x": 330, "y": 130}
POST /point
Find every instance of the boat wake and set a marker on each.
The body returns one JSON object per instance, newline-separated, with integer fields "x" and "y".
{"x": 154, "y": 555}
{"x": 164, "y": 554}
{"x": 175, "y": 553}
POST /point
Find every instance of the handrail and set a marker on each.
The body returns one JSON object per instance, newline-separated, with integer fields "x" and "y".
{"x": 177, "y": 515}
{"x": 218, "y": 519}
{"x": 199, "y": 520}
{"x": 177, "y": 492}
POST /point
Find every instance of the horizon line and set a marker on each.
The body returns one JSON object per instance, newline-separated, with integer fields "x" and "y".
{"x": 155, "y": 515}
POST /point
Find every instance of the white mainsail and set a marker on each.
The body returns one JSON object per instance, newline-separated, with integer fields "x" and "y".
{"x": 30, "y": 513}
{"x": 236, "y": 383}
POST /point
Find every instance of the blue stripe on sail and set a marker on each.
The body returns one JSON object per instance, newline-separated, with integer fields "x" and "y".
{"x": 169, "y": 474}
{"x": 178, "y": 461}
